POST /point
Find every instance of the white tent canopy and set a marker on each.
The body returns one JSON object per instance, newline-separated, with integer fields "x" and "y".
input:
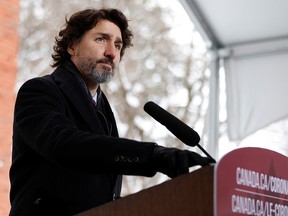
{"x": 252, "y": 38}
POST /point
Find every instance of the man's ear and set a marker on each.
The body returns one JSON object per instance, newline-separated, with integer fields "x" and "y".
{"x": 71, "y": 49}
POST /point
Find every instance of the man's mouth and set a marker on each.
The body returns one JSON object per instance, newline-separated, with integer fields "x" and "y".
{"x": 107, "y": 63}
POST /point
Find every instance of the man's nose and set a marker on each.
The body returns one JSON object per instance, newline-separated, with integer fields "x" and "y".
{"x": 110, "y": 51}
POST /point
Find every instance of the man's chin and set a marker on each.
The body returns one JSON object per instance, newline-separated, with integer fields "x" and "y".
{"x": 100, "y": 80}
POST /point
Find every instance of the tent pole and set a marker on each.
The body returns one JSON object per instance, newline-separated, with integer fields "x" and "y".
{"x": 213, "y": 109}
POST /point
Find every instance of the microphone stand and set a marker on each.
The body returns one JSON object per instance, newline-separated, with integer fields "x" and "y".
{"x": 205, "y": 152}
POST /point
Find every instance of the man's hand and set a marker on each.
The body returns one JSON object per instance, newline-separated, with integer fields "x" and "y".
{"x": 174, "y": 162}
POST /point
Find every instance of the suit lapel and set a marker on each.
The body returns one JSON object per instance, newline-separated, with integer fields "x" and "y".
{"x": 77, "y": 95}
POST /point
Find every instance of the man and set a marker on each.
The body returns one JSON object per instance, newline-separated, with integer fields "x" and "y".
{"x": 67, "y": 156}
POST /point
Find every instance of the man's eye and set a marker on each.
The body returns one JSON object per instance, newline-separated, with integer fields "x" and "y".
{"x": 118, "y": 46}
{"x": 100, "y": 40}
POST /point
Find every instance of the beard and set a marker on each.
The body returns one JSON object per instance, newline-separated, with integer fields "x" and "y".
{"x": 95, "y": 73}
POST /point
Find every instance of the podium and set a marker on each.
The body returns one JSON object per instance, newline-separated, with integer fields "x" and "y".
{"x": 246, "y": 181}
{"x": 189, "y": 194}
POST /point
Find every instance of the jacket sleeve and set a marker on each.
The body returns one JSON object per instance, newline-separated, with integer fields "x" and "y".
{"x": 42, "y": 123}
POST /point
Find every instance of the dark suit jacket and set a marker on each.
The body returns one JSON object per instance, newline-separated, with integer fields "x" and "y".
{"x": 67, "y": 156}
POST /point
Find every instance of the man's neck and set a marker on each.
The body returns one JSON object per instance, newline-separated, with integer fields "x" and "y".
{"x": 92, "y": 88}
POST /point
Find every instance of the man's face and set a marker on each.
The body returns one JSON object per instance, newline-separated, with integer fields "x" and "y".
{"x": 97, "y": 54}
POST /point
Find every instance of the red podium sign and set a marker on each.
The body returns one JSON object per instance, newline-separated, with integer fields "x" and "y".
{"x": 251, "y": 181}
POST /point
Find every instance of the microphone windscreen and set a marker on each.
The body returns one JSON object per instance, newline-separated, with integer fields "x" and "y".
{"x": 182, "y": 131}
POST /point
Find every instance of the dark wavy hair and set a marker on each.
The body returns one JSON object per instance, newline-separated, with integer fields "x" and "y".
{"x": 83, "y": 21}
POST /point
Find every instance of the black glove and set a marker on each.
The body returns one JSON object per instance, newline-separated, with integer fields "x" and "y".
{"x": 174, "y": 162}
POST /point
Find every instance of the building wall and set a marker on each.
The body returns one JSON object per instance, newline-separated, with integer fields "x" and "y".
{"x": 9, "y": 42}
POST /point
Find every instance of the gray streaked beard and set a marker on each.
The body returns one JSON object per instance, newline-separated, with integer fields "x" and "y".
{"x": 91, "y": 72}
{"x": 101, "y": 76}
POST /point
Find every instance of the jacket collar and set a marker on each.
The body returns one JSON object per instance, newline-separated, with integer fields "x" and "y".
{"x": 71, "y": 82}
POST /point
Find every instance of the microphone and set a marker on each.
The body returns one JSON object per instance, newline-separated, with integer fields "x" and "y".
{"x": 182, "y": 131}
